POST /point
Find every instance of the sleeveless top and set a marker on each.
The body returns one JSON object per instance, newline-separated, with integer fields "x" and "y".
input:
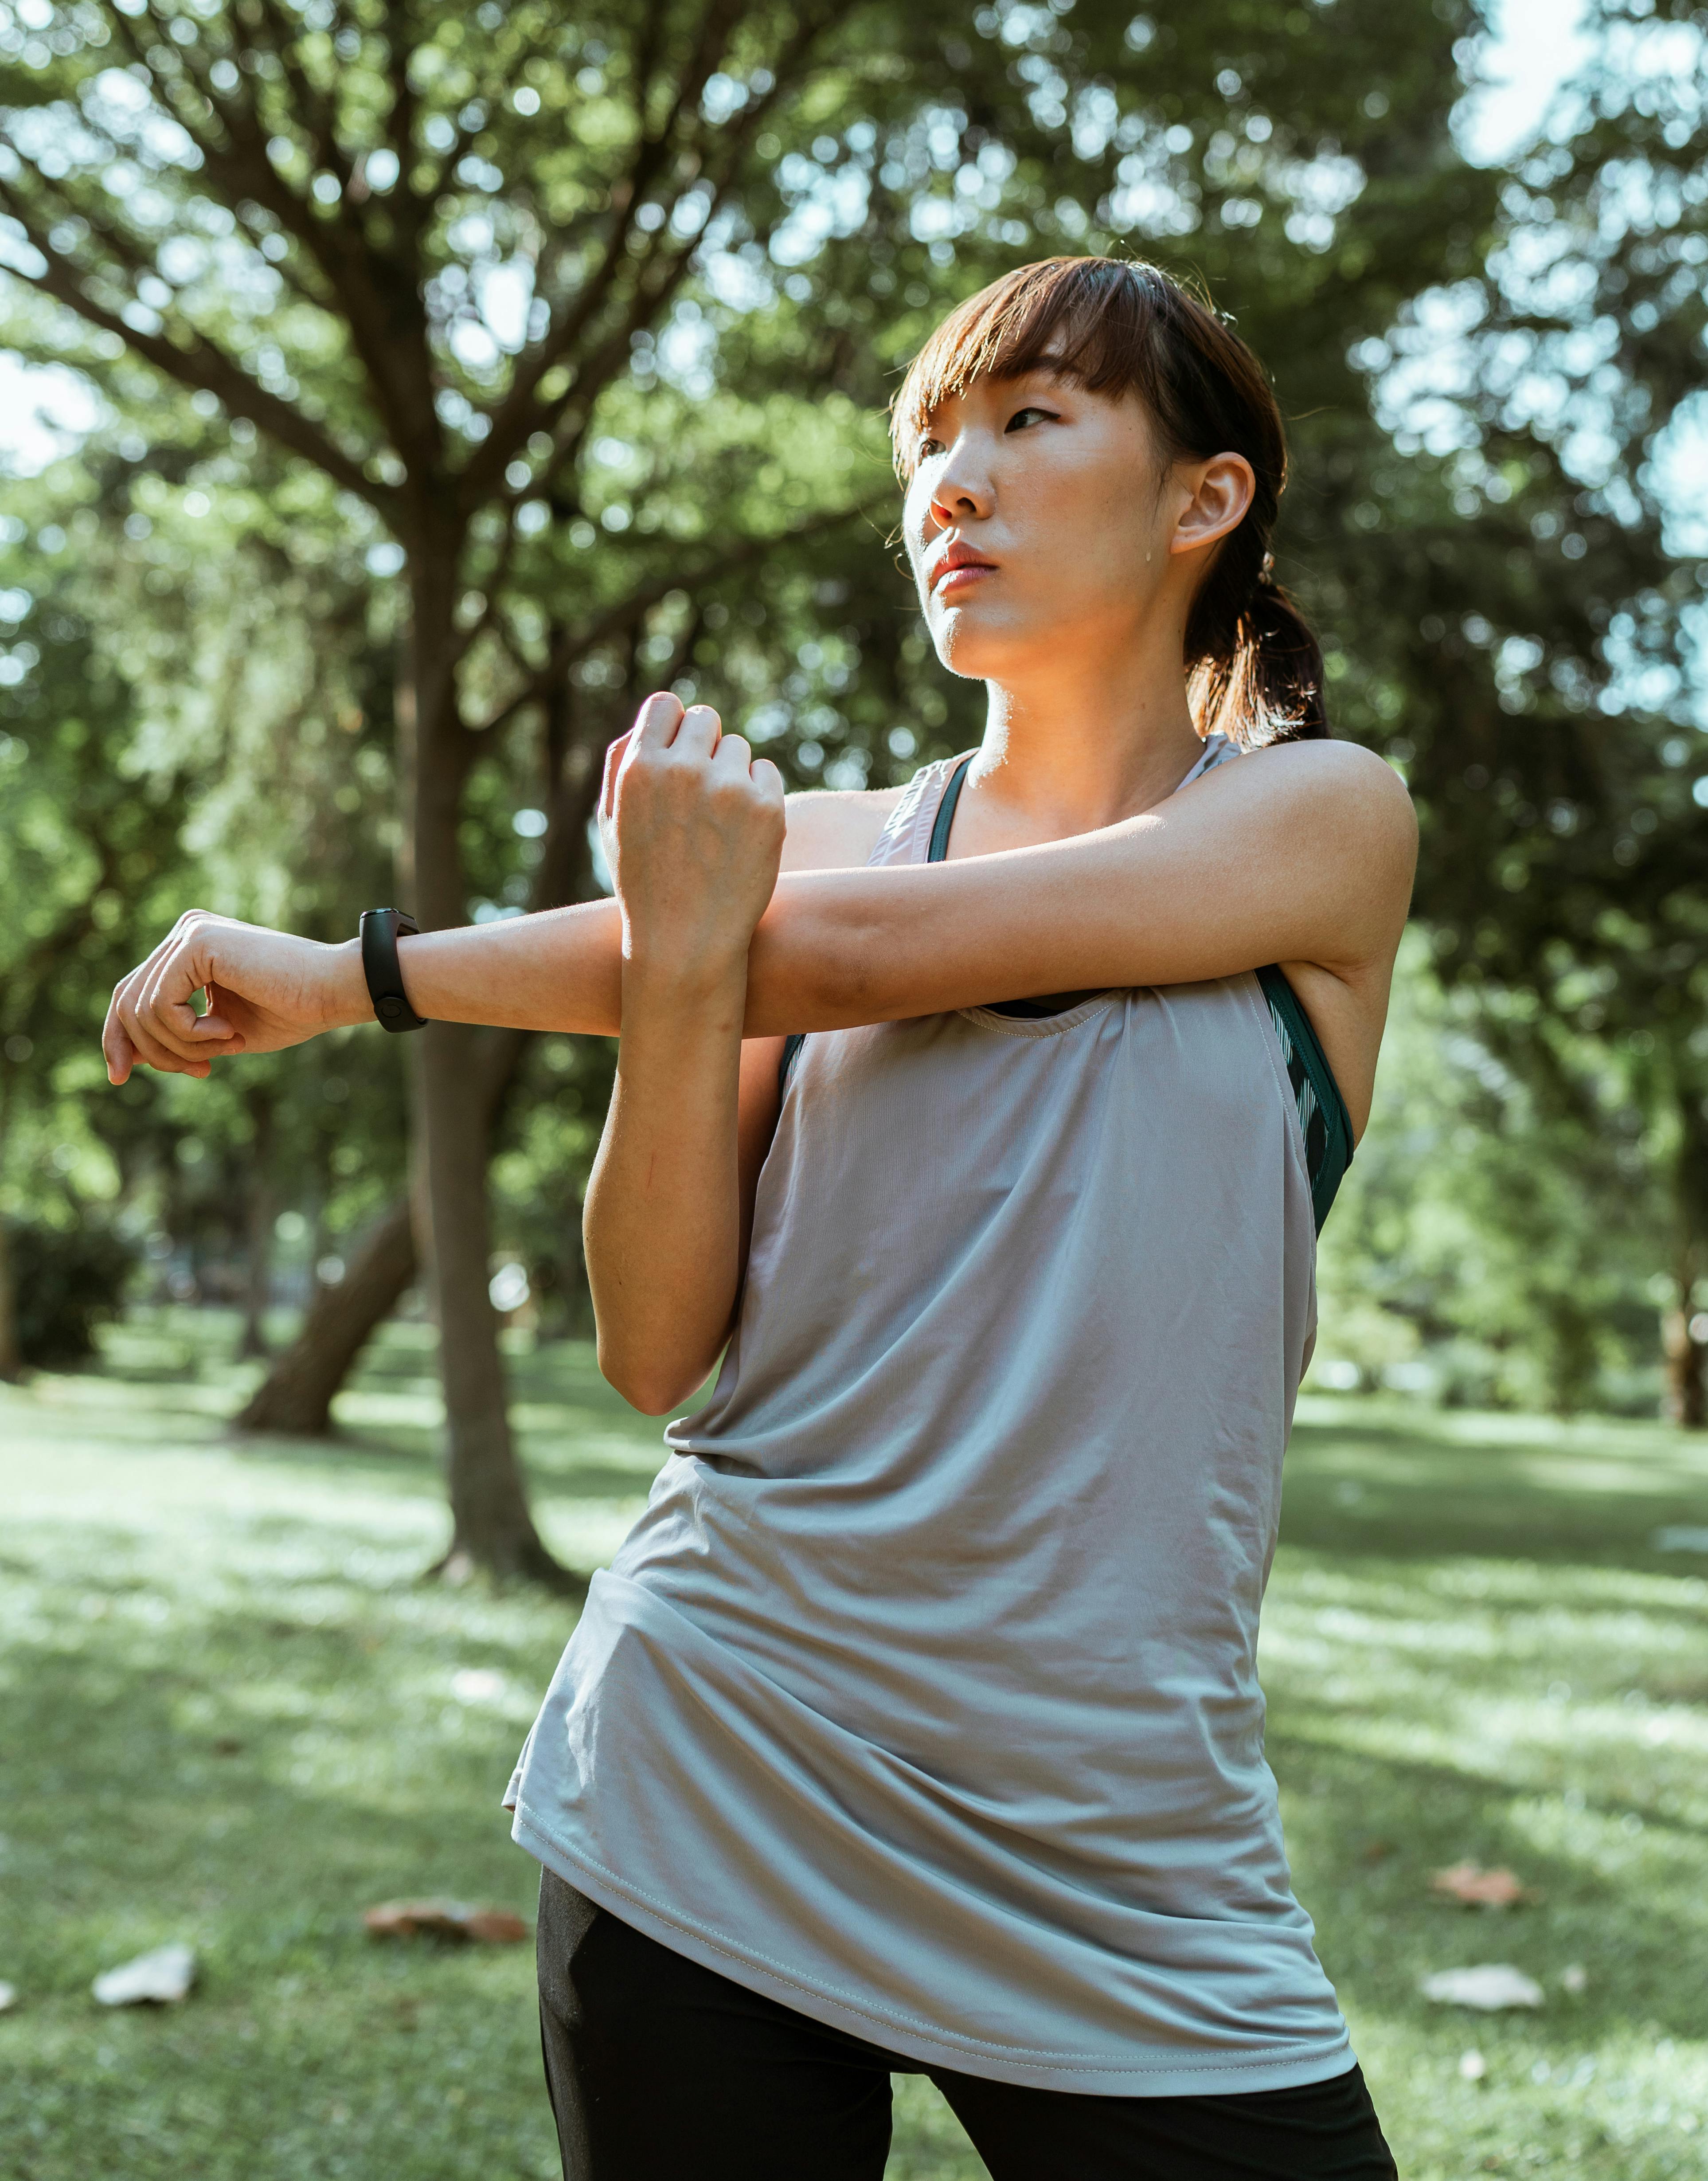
{"x": 1323, "y": 1119}
{"x": 924, "y": 1695}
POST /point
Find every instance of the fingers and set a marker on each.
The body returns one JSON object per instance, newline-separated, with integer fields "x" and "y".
{"x": 615, "y": 755}
{"x": 735, "y": 758}
{"x": 697, "y": 733}
{"x": 125, "y": 1041}
{"x": 153, "y": 1048}
{"x": 150, "y": 1050}
{"x": 116, "y": 1048}
{"x": 162, "y": 1006}
{"x": 656, "y": 722}
{"x": 150, "y": 1019}
{"x": 661, "y": 724}
{"x": 216, "y": 1026}
{"x": 734, "y": 755}
{"x": 662, "y": 731}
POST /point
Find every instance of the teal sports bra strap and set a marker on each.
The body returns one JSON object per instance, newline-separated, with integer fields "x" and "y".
{"x": 1324, "y": 1120}
{"x": 945, "y": 812}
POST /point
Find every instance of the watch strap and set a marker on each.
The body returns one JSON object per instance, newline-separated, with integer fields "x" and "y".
{"x": 380, "y": 929}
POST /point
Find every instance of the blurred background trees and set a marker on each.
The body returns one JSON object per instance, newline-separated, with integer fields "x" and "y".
{"x": 454, "y": 377}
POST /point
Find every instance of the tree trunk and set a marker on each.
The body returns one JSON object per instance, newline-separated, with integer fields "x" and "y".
{"x": 462, "y": 1077}
{"x": 1686, "y": 1397}
{"x": 1684, "y": 1328}
{"x": 492, "y": 1528}
{"x": 296, "y": 1395}
{"x": 11, "y": 1357}
{"x": 258, "y": 1217}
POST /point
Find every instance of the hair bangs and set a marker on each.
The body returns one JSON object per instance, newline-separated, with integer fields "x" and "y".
{"x": 1088, "y": 318}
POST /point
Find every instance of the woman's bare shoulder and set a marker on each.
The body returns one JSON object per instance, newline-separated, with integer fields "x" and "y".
{"x": 834, "y": 829}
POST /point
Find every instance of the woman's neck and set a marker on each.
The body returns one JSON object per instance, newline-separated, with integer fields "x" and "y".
{"x": 1084, "y": 749}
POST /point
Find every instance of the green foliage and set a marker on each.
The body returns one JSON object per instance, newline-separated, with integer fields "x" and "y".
{"x": 69, "y": 1281}
{"x": 124, "y": 800}
{"x": 1499, "y": 1236}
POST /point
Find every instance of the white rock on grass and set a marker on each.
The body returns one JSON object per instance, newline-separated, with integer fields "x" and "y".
{"x": 1488, "y": 1987}
{"x": 9, "y": 1997}
{"x": 162, "y": 1976}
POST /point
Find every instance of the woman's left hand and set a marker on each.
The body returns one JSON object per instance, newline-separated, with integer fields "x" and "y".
{"x": 692, "y": 826}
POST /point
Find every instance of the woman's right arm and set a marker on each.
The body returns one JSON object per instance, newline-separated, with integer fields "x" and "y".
{"x": 558, "y": 969}
{"x": 694, "y": 831}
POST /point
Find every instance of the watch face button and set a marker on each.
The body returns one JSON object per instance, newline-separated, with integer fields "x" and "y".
{"x": 391, "y": 1009}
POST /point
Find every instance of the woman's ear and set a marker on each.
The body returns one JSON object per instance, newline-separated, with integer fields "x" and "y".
{"x": 1222, "y": 489}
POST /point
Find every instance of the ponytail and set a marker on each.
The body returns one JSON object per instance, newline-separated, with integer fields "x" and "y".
{"x": 1253, "y": 669}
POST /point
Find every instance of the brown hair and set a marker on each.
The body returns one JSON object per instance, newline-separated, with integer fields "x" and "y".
{"x": 1253, "y": 668}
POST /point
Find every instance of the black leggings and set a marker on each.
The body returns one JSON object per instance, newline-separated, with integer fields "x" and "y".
{"x": 660, "y": 2070}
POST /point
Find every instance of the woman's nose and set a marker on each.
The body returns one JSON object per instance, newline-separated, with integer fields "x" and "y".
{"x": 959, "y": 493}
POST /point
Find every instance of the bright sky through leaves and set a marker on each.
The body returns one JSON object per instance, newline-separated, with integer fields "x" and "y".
{"x": 1534, "y": 47}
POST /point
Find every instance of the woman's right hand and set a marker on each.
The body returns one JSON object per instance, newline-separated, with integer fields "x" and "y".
{"x": 266, "y": 989}
{"x": 692, "y": 825}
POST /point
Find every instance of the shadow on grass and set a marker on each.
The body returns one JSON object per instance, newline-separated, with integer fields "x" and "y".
{"x": 570, "y": 1478}
{"x": 1367, "y": 1886}
{"x": 1425, "y": 1485}
{"x": 182, "y": 1786}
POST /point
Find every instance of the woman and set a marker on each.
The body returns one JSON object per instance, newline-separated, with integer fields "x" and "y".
{"x": 916, "y": 1725}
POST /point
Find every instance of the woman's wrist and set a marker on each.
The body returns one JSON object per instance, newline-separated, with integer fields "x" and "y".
{"x": 345, "y": 996}
{"x": 675, "y": 980}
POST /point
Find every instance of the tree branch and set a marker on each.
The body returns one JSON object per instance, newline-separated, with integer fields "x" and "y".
{"x": 195, "y": 362}
{"x": 364, "y": 283}
{"x": 575, "y": 645}
{"x": 315, "y": 110}
{"x": 515, "y": 417}
{"x": 520, "y": 414}
{"x": 493, "y": 586}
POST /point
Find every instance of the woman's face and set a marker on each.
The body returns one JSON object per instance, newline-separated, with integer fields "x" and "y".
{"x": 1041, "y": 516}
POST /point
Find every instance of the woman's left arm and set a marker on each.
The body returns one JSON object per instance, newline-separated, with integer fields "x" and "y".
{"x": 1302, "y": 854}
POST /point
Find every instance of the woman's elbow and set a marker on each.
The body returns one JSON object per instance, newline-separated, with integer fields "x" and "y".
{"x": 643, "y": 1382}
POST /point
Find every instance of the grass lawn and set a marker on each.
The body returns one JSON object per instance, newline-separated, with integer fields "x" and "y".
{"x": 233, "y": 1714}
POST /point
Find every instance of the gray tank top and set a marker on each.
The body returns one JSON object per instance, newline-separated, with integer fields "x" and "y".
{"x": 924, "y": 1695}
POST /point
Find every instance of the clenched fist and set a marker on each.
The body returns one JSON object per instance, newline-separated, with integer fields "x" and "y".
{"x": 692, "y": 825}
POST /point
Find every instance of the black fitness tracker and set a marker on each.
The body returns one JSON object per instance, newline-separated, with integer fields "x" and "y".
{"x": 380, "y": 928}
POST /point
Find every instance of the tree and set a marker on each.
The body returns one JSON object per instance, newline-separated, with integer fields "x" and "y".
{"x": 86, "y": 821}
{"x": 585, "y": 328}
{"x": 1496, "y": 1240}
{"x": 1566, "y": 840}
{"x": 294, "y": 214}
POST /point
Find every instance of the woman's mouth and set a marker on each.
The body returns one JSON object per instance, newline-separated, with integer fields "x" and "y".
{"x": 955, "y": 581}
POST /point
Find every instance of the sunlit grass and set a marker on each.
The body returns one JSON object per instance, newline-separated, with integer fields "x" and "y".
{"x": 229, "y": 1713}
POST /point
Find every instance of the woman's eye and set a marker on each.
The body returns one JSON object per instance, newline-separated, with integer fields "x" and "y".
{"x": 1018, "y": 421}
